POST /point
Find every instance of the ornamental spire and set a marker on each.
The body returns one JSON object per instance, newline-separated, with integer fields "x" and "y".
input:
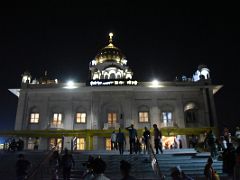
{"x": 110, "y": 37}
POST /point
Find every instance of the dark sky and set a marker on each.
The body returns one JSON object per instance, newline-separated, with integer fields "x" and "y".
{"x": 159, "y": 41}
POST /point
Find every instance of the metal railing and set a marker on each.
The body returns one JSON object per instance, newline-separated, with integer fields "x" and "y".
{"x": 55, "y": 126}
{"x": 166, "y": 124}
{"x": 154, "y": 161}
{"x": 111, "y": 126}
{"x": 33, "y": 175}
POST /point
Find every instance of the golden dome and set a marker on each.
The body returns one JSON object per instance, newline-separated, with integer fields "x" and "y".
{"x": 109, "y": 53}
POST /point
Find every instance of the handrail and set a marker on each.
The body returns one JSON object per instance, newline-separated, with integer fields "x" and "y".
{"x": 154, "y": 161}
{"x": 42, "y": 163}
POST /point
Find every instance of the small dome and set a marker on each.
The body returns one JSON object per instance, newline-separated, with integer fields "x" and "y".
{"x": 109, "y": 53}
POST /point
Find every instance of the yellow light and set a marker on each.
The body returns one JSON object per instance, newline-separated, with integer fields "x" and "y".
{"x": 155, "y": 82}
{"x": 111, "y": 35}
{"x": 70, "y": 85}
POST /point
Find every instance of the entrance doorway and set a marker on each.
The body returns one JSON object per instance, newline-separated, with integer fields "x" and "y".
{"x": 55, "y": 143}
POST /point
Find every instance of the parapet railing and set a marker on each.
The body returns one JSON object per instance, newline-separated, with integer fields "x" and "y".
{"x": 154, "y": 161}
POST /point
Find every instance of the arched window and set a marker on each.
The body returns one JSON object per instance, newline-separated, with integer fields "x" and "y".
{"x": 166, "y": 115}
{"x": 34, "y": 115}
{"x": 190, "y": 112}
{"x": 143, "y": 114}
{"x": 81, "y": 115}
{"x": 112, "y": 76}
{"x": 57, "y": 116}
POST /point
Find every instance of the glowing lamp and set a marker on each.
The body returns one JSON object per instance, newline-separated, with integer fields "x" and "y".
{"x": 70, "y": 85}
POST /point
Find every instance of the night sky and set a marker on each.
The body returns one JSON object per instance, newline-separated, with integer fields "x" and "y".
{"x": 159, "y": 41}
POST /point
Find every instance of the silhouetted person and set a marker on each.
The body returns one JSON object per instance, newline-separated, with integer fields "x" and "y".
{"x": 125, "y": 168}
{"x": 36, "y": 143}
{"x": 132, "y": 137}
{"x": 99, "y": 167}
{"x": 229, "y": 160}
{"x": 121, "y": 141}
{"x": 237, "y": 134}
{"x": 178, "y": 174}
{"x": 22, "y": 167}
{"x": 180, "y": 144}
{"x": 67, "y": 162}
{"x": 209, "y": 172}
{"x": 54, "y": 163}
{"x": 88, "y": 174}
{"x": 193, "y": 141}
{"x": 211, "y": 141}
{"x": 13, "y": 145}
{"x": 157, "y": 138}
{"x": 137, "y": 148}
{"x": 237, "y": 164}
{"x": 146, "y": 139}
{"x": 20, "y": 145}
{"x": 226, "y": 134}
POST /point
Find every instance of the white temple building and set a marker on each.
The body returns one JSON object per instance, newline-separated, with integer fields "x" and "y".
{"x": 85, "y": 113}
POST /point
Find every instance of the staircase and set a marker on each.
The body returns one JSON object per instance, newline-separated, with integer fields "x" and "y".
{"x": 8, "y": 162}
{"x": 191, "y": 162}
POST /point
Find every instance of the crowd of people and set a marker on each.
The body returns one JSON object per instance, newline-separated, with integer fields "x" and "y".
{"x": 225, "y": 148}
{"x": 12, "y": 145}
{"x": 95, "y": 167}
{"x": 137, "y": 144}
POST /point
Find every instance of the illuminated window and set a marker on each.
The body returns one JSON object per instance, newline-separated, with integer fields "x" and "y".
{"x": 80, "y": 143}
{"x": 81, "y": 117}
{"x": 108, "y": 144}
{"x": 57, "y": 118}
{"x": 167, "y": 117}
{"x": 30, "y": 144}
{"x": 112, "y": 118}
{"x": 143, "y": 117}
{"x": 34, "y": 118}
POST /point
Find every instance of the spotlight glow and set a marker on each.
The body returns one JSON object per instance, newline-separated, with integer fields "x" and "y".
{"x": 155, "y": 84}
{"x": 70, "y": 85}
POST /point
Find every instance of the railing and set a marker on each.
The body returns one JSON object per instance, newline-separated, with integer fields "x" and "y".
{"x": 154, "y": 161}
{"x": 166, "y": 124}
{"x": 33, "y": 175}
{"x": 111, "y": 126}
{"x": 55, "y": 126}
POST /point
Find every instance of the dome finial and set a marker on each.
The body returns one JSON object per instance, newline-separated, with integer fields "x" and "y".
{"x": 110, "y": 37}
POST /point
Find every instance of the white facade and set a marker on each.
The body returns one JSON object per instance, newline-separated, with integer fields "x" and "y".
{"x": 111, "y": 99}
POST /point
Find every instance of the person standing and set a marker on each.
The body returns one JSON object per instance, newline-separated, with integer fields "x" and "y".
{"x": 211, "y": 141}
{"x": 99, "y": 167}
{"x": 146, "y": 139}
{"x": 157, "y": 138}
{"x": 132, "y": 137}
{"x": 22, "y": 167}
{"x": 67, "y": 162}
{"x": 121, "y": 141}
{"x": 36, "y": 143}
{"x": 113, "y": 141}
{"x": 54, "y": 162}
{"x": 180, "y": 143}
{"x": 125, "y": 168}
{"x": 237, "y": 134}
{"x": 236, "y": 174}
{"x": 229, "y": 160}
{"x": 209, "y": 172}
